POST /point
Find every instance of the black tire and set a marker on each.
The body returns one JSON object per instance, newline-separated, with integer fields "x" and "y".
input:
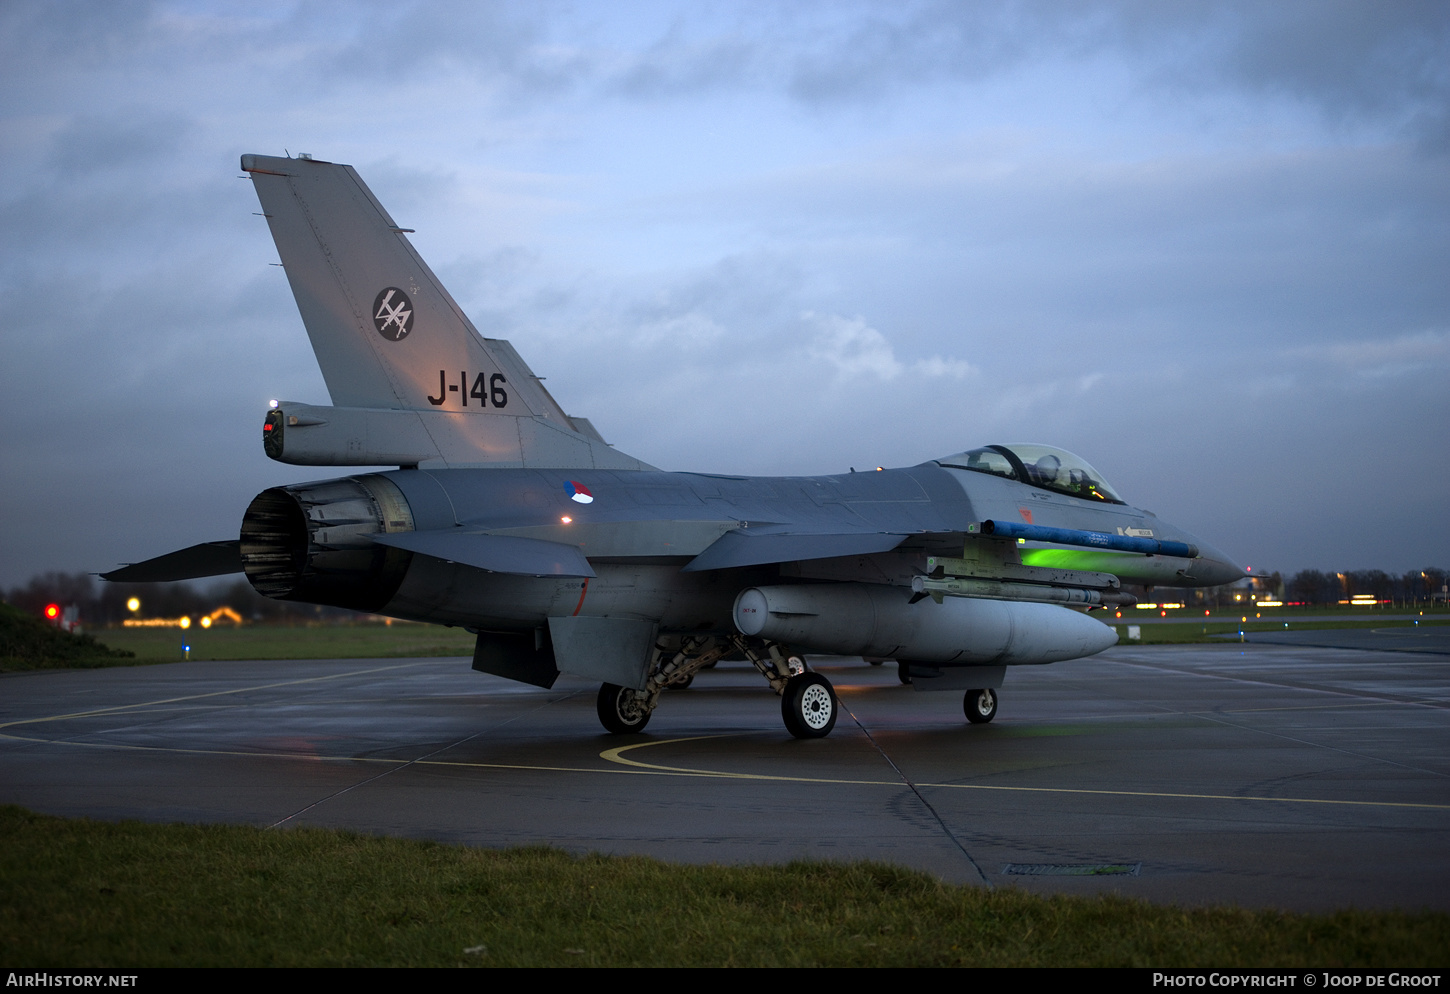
{"x": 618, "y": 711}
{"x": 809, "y": 706}
{"x": 980, "y": 706}
{"x": 903, "y": 672}
{"x": 681, "y": 683}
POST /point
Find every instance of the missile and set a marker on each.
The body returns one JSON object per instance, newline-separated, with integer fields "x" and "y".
{"x": 999, "y": 590}
{"x": 1073, "y": 536}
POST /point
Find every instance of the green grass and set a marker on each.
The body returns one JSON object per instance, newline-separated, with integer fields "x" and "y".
{"x": 29, "y": 643}
{"x": 1290, "y": 611}
{"x": 129, "y": 894}
{"x": 1209, "y": 631}
{"x": 358, "y": 641}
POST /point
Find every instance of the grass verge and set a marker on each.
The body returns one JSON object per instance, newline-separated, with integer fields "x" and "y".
{"x": 28, "y": 643}
{"x": 1180, "y": 633}
{"x": 359, "y": 641}
{"x": 130, "y": 894}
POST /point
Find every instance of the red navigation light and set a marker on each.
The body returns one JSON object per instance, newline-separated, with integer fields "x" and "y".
{"x": 52, "y": 612}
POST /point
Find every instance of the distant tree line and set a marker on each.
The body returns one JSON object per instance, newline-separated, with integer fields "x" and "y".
{"x": 1310, "y": 586}
{"x": 103, "y": 604}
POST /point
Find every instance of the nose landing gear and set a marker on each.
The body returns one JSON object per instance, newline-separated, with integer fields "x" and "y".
{"x": 980, "y": 706}
{"x": 809, "y": 706}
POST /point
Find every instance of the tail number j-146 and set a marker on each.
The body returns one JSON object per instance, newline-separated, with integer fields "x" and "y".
{"x": 491, "y": 392}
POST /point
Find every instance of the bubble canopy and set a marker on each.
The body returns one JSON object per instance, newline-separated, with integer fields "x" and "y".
{"x": 1038, "y": 466}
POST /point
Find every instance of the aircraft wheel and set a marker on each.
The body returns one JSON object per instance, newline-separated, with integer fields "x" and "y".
{"x": 980, "y": 706}
{"x": 809, "y": 706}
{"x": 903, "y": 672}
{"x": 620, "y": 710}
{"x": 680, "y": 683}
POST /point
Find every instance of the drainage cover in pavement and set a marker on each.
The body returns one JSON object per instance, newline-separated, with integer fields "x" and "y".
{"x": 1072, "y": 869}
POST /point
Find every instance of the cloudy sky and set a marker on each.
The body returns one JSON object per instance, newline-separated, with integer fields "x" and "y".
{"x": 1205, "y": 246}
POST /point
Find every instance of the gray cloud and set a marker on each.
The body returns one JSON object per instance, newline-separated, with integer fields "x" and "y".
{"x": 117, "y": 141}
{"x": 42, "y": 33}
{"x": 501, "y": 44}
{"x": 1190, "y": 242}
{"x": 1354, "y": 59}
{"x": 1387, "y": 65}
{"x": 1349, "y": 58}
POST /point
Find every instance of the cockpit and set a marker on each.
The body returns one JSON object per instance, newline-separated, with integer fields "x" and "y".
{"x": 1037, "y": 466}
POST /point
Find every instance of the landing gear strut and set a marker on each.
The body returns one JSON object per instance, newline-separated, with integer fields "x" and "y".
{"x": 808, "y": 702}
{"x": 673, "y": 663}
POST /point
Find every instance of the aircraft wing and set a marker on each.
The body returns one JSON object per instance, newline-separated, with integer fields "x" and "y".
{"x": 495, "y": 553}
{"x": 756, "y": 547}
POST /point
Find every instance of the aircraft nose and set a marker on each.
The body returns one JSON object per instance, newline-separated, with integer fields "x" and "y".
{"x": 1213, "y": 568}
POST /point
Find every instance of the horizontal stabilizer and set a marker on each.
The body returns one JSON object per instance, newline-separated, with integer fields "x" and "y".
{"x": 206, "y": 559}
{"x": 749, "y": 547}
{"x": 495, "y": 553}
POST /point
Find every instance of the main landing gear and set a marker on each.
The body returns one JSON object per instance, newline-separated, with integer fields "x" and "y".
{"x": 623, "y": 709}
{"x": 673, "y": 663}
{"x": 807, "y": 701}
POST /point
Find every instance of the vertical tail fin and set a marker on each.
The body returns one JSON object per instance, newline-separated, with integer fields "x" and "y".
{"x": 389, "y": 337}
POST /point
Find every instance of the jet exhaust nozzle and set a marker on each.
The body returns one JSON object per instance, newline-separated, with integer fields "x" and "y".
{"x": 313, "y": 542}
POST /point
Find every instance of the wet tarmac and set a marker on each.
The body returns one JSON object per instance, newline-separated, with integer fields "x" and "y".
{"x": 1292, "y": 776}
{"x": 1391, "y": 638}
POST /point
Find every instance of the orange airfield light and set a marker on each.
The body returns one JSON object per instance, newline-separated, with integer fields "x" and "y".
{"x": 206, "y": 620}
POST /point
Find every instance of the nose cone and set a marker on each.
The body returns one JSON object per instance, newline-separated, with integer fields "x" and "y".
{"x": 1213, "y": 568}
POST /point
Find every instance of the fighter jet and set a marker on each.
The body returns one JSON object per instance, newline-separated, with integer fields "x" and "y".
{"x": 510, "y": 518}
